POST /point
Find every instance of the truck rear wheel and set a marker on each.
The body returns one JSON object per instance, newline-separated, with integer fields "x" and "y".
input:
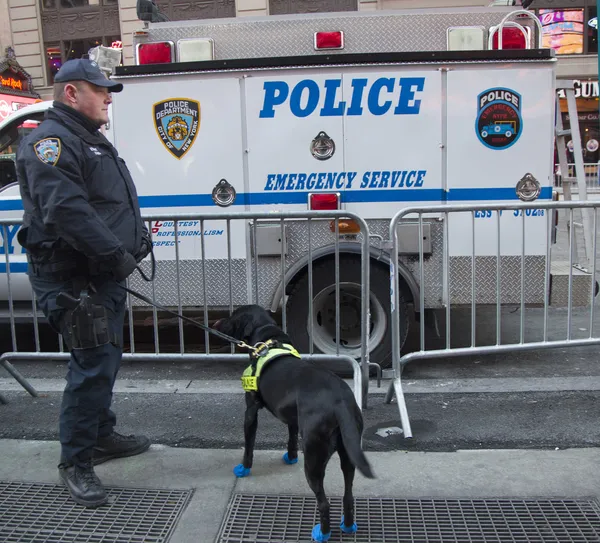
{"x": 324, "y": 313}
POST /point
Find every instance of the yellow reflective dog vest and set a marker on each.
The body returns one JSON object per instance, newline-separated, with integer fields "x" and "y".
{"x": 252, "y": 372}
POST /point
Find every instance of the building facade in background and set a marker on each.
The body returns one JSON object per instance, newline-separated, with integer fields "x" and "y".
{"x": 45, "y": 33}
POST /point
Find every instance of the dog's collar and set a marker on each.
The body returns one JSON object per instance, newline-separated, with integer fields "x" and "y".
{"x": 266, "y": 352}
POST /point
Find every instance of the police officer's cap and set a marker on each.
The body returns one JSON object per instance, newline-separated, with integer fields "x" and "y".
{"x": 83, "y": 69}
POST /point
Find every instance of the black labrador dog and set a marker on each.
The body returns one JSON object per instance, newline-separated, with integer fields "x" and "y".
{"x": 310, "y": 400}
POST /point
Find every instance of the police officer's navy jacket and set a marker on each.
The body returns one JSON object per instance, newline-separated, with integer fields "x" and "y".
{"x": 80, "y": 202}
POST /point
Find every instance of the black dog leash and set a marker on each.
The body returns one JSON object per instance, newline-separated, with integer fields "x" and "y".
{"x": 68, "y": 301}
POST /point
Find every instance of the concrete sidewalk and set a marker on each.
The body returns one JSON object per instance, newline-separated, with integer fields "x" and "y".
{"x": 572, "y": 473}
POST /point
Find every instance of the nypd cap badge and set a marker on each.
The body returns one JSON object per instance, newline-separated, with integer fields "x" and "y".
{"x": 48, "y": 150}
{"x": 177, "y": 121}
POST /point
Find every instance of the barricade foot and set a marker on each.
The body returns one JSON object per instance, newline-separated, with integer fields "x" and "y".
{"x": 19, "y": 378}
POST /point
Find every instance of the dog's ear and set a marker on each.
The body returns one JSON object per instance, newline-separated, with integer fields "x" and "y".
{"x": 248, "y": 330}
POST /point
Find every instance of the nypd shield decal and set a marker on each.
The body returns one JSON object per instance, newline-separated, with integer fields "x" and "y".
{"x": 48, "y": 150}
{"x": 177, "y": 121}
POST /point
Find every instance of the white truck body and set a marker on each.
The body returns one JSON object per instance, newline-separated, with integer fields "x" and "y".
{"x": 412, "y": 123}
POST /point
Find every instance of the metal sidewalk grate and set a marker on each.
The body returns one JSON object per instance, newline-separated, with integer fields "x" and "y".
{"x": 289, "y": 519}
{"x": 45, "y": 513}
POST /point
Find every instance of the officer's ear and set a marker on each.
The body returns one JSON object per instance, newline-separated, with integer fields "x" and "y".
{"x": 70, "y": 93}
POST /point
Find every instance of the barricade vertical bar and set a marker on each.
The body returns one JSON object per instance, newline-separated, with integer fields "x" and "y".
{"x": 178, "y": 279}
{"x": 498, "y": 280}
{"x": 204, "y": 299}
{"x": 422, "y": 281}
{"x": 396, "y": 384}
{"x": 155, "y": 320}
{"x": 129, "y": 320}
{"x": 593, "y": 281}
{"x": 394, "y": 285}
{"x": 446, "y": 274}
{"x": 36, "y": 324}
{"x": 473, "y": 311}
{"x": 310, "y": 288}
{"x": 571, "y": 250}
{"x": 230, "y": 279}
{"x": 13, "y": 332}
{"x": 337, "y": 286}
{"x": 283, "y": 249}
{"x": 255, "y": 248}
{"x": 522, "y": 276}
{"x": 365, "y": 309}
{"x": 547, "y": 274}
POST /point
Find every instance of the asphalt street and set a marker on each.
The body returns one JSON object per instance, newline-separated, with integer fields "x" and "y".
{"x": 531, "y": 399}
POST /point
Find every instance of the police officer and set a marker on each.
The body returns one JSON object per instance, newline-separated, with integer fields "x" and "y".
{"x": 84, "y": 236}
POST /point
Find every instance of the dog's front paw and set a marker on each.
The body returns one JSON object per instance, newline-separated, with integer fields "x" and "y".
{"x": 289, "y": 460}
{"x": 241, "y": 471}
{"x": 348, "y": 529}
{"x": 318, "y": 535}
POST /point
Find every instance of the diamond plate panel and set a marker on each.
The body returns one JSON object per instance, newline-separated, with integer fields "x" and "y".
{"x": 272, "y": 519}
{"x": 365, "y": 33}
{"x": 191, "y": 283}
{"x": 461, "y": 273}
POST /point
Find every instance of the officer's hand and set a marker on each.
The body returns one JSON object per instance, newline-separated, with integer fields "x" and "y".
{"x": 145, "y": 248}
{"x": 124, "y": 267}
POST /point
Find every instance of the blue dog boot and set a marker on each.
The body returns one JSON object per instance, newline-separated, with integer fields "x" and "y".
{"x": 348, "y": 529}
{"x": 241, "y": 471}
{"x": 287, "y": 460}
{"x": 317, "y": 535}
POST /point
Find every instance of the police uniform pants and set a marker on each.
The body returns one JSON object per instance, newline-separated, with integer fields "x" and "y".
{"x": 85, "y": 411}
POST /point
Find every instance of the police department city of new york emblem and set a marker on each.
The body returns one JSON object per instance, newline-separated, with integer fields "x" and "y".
{"x": 177, "y": 121}
{"x": 48, "y": 150}
{"x": 499, "y": 123}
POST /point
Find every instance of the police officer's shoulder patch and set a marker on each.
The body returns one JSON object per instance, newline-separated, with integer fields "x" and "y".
{"x": 48, "y": 150}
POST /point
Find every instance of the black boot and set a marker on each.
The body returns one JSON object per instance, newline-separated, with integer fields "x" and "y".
{"x": 83, "y": 484}
{"x": 118, "y": 446}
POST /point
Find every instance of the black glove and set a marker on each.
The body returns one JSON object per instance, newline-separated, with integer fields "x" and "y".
{"x": 124, "y": 267}
{"x": 145, "y": 248}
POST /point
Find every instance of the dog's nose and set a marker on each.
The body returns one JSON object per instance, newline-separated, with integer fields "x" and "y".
{"x": 217, "y": 324}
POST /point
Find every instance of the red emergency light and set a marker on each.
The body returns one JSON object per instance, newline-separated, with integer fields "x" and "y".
{"x": 155, "y": 52}
{"x": 329, "y": 40}
{"x": 324, "y": 201}
{"x": 513, "y": 37}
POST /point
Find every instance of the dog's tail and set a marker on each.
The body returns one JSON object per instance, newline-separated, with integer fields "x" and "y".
{"x": 351, "y": 440}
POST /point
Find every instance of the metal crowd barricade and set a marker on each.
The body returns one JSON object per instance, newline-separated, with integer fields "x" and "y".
{"x": 494, "y": 212}
{"x": 591, "y": 172}
{"x": 225, "y": 278}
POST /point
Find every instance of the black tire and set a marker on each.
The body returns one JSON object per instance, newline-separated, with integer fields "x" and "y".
{"x": 297, "y": 310}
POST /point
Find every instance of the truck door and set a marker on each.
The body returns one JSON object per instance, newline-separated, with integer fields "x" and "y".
{"x": 295, "y": 137}
{"x": 393, "y": 138}
{"x": 500, "y": 127}
{"x": 181, "y": 137}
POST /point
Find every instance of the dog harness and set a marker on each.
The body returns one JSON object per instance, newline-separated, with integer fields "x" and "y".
{"x": 265, "y": 354}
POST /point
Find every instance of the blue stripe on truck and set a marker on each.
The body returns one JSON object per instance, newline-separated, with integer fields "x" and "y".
{"x": 15, "y": 267}
{"x": 350, "y": 196}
